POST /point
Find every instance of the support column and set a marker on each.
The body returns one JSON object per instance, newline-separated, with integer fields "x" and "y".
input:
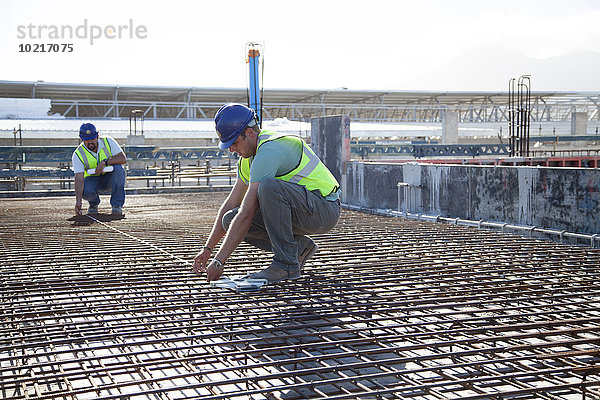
{"x": 579, "y": 123}
{"x": 330, "y": 140}
{"x": 136, "y": 140}
{"x": 450, "y": 127}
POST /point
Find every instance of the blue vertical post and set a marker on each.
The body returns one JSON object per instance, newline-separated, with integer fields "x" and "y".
{"x": 254, "y": 82}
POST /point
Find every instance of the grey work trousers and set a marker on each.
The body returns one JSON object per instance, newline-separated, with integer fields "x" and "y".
{"x": 287, "y": 212}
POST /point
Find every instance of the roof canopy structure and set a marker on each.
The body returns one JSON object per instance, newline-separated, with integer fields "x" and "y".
{"x": 172, "y": 102}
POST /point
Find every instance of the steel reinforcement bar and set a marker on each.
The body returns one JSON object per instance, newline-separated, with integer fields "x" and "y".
{"x": 388, "y": 308}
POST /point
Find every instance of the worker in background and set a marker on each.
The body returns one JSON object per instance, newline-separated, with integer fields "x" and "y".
{"x": 90, "y": 160}
{"x": 283, "y": 192}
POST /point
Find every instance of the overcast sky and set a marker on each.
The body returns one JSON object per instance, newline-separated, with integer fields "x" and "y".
{"x": 369, "y": 44}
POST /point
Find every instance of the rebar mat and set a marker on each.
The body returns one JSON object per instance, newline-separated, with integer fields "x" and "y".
{"x": 388, "y": 308}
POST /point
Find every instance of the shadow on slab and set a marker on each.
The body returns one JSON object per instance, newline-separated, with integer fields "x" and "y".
{"x": 84, "y": 220}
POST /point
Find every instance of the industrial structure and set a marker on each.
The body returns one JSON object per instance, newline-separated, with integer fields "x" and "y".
{"x": 112, "y": 101}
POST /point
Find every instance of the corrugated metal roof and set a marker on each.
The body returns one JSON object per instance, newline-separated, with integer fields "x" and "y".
{"x": 271, "y": 96}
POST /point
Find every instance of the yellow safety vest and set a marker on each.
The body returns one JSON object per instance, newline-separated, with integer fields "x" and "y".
{"x": 88, "y": 158}
{"x": 310, "y": 171}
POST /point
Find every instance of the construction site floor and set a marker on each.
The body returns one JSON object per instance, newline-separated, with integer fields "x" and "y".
{"x": 388, "y": 308}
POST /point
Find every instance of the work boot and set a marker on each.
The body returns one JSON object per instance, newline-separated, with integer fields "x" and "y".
{"x": 275, "y": 274}
{"x": 306, "y": 249}
{"x": 117, "y": 210}
{"x": 93, "y": 209}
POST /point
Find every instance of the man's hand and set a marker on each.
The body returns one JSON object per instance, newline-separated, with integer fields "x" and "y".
{"x": 78, "y": 208}
{"x": 100, "y": 167}
{"x": 214, "y": 270}
{"x": 201, "y": 260}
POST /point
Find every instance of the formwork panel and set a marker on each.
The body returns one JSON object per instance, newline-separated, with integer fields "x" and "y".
{"x": 388, "y": 308}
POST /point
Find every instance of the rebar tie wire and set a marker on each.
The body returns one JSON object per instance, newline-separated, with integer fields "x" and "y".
{"x": 142, "y": 241}
{"x": 239, "y": 284}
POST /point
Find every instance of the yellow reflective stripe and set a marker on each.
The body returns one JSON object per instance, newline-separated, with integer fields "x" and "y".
{"x": 313, "y": 162}
{"x": 83, "y": 157}
{"x": 106, "y": 146}
{"x": 263, "y": 137}
{"x": 244, "y": 170}
{"x": 90, "y": 160}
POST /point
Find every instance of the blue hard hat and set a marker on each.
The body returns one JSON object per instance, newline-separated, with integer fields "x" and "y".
{"x": 230, "y": 121}
{"x": 88, "y": 132}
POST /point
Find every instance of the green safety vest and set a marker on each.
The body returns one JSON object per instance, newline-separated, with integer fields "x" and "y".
{"x": 89, "y": 159}
{"x": 310, "y": 171}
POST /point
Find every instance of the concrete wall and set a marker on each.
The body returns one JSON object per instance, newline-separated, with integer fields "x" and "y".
{"x": 558, "y": 198}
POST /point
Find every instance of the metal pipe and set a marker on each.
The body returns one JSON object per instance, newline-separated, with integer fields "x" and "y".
{"x": 593, "y": 239}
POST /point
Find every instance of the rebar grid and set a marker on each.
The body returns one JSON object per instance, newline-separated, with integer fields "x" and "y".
{"x": 388, "y": 308}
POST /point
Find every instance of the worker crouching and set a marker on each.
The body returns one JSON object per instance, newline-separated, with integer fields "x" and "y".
{"x": 98, "y": 166}
{"x": 282, "y": 194}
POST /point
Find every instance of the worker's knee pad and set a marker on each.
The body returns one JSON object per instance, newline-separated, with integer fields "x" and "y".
{"x": 228, "y": 217}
